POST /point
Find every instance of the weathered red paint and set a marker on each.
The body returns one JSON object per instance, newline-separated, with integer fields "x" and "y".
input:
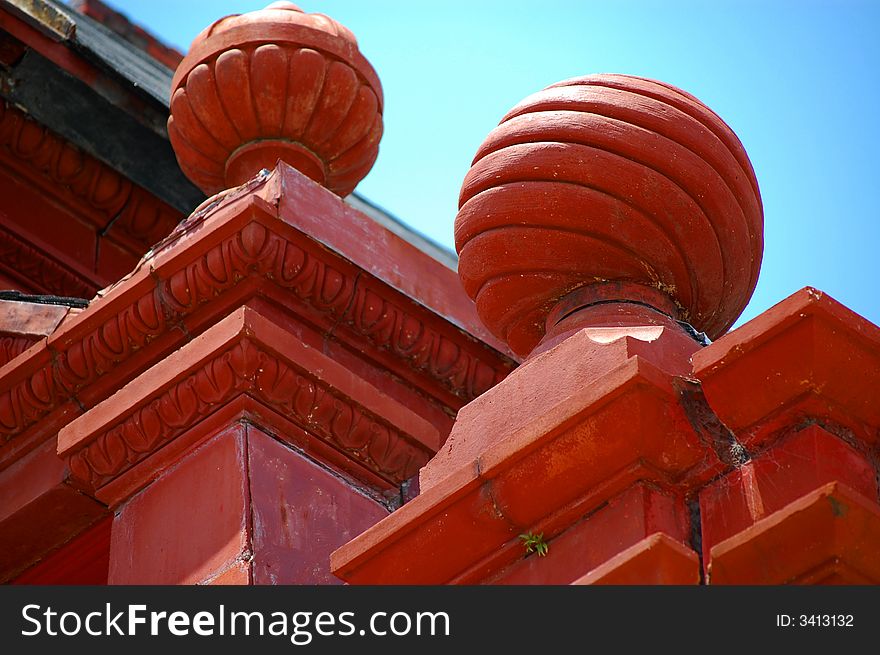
{"x": 827, "y": 536}
{"x": 128, "y": 336}
{"x": 24, "y": 323}
{"x": 288, "y": 365}
{"x": 189, "y": 524}
{"x": 301, "y": 513}
{"x": 608, "y": 177}
{"x": 119, "y": 446}
{"x": 275, "y": 84}
{"x": 797, "y": 465}
{"x": 806, "y": 359}
{"x": 657, "y": 559}
{"x": 552, "y": 387}
{"x": 255, "y": 512}
{"x": 566, "y": 462}
{"x": 627, "y": 519}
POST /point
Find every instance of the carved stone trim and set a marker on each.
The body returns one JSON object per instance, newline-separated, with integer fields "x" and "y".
{"x": 353, "y": 300}
{"x": 102, "y": 195}
{"x": 246, "y": 245}
{"x": 38, "y": 271}
{"x": 12, "y": 346}
{"x": 247, "y": 367}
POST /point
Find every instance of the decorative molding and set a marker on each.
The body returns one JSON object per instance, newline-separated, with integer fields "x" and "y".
{"x": 353, "y": 300}
{"x": 102, "y": 195}
{"x": 248, "y": 367}
{"x": 276, "y": 83}
{"x": 391, "y": 327}
{"x": 451, "y": 359}
{"x": 38, "y": 271}
{"x": 144, "y": 220}
{"x": 609, "y": 179}
{"x": 28, "y": 401}
{"x": 12, "y": 346}
{"x": 85, "y": 360}
{"x": 66, "y": 167}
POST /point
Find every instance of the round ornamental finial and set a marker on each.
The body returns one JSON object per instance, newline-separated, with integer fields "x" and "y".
{"x": 603, "y": 188}
{"x": 273, "y": 84}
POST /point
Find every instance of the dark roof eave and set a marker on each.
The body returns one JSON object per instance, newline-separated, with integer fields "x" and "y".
{"x": 84, "y": 114}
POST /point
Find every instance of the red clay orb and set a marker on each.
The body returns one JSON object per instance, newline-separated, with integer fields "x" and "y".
{"x": 274, "y": 84}
{"x": 608, "y": 178}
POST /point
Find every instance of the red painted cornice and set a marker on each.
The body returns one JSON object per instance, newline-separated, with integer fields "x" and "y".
{"x": 807, "y": 359}
{"x": 94, "y": 192}
{"x": 244, "y": 354}
{"x": 249, "y": 246}
{"x": 624, "y": 427}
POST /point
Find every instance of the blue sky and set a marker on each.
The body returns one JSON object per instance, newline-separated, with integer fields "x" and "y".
{"x": 797, "y": 81}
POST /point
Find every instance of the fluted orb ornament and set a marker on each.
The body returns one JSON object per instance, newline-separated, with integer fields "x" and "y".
{"x": 614, "y": 188}
{"x": 273, "y": 84}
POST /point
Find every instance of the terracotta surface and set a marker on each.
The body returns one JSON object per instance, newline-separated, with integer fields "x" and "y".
{"x": 287, "y": 366}
{"x": 551, "y": 386}
{"x": 624, "y": 427}
{"x": 158, "y": 539}
{"x": 257, "y": 512}
{"x": 242, "y": 354}
{"x": 778, "y": 476}
{"x": 804, "y": 360}
{"x": 628, "y": 518}
{"x": 84, "y": 560}
{"x": 657, "y": 559}
{"x": 831, "y": 532}
{"x": 381, "y": 344}
{"x": 383, "y": 254}
{"x": 273, "y": 84}
{"x": 301, "y": 513}
{"x": 203, "y": 273}
{"x": 608, "y": 177}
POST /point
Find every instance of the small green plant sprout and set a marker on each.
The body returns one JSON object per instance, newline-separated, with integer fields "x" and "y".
{"x": 534, "y": 543}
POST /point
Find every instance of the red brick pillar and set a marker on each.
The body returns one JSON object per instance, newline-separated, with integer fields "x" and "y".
{"x": 242, "y": 508}
{"x": 270, "y": 378}
{"x": 247, "y": 455}
{"x": 800, "y": 387}
{"x": 202, "y": 459}
{"x": 599, "y": 216}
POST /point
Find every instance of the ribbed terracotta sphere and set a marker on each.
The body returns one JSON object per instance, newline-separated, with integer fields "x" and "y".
{"x": 609, "y": 178}
{"x": 275, "y": 84}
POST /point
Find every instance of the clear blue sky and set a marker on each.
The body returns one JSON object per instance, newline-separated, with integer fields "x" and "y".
{"x": 798, "y": 81}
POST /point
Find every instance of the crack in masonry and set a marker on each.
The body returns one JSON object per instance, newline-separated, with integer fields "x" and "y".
{"x": 248, "y": 554}
{"x": 103, "y": 232}
{"x": 55, "y": 368}
{"x": 173, "y": 318}
{"x": 696, "y": 540}
{"x": 351, "y": 482}
{"x": 487, "y": 486}
{"x": 79, "y": 403}
{"x": 344, "y": 312}
{"x": 707, "y": 425}
{"x": 203, "y": 212}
